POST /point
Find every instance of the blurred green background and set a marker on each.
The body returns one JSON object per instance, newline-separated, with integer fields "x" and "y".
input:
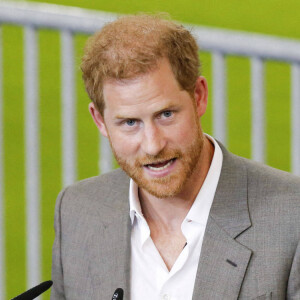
{"x": 275, "y": 17}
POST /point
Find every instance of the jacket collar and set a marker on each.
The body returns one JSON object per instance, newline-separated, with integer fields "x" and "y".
{"x": 230, "y": 205}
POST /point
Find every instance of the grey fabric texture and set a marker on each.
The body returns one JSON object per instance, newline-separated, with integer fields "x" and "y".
{"x": 250, "y": 249}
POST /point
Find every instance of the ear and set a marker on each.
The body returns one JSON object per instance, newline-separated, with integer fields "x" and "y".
{"x": 98, "y": 119}
{"x": 201, "y": 95}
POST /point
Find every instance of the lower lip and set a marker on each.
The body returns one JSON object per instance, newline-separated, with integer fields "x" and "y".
{"x": 161, "y": 173}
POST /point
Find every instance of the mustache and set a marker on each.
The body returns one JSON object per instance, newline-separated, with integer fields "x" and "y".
{"x": 164, "y": 155}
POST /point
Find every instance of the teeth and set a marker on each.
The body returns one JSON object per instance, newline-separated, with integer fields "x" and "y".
{"x": 160, "y": 168}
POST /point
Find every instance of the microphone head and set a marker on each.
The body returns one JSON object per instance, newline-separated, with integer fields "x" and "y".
{"x": 35, "y": 291}
{"x": 118, "y": 294}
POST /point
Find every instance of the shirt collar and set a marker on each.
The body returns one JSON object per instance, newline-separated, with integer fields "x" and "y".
{"x": 200, "y": 209}
{"x": 134, "y": 203}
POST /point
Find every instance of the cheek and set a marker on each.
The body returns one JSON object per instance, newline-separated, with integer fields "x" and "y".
{"x": 124, "y": 146}
{"x": 184, "y": 133}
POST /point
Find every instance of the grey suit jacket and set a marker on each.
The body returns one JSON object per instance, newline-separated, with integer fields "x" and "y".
{"x": 251, "y": 246}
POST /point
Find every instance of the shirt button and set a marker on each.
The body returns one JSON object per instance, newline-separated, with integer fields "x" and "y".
{"x": 166, "y": 297}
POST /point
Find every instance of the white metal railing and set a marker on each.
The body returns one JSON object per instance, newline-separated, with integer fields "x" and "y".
{"x": 32, "y": 155}
{"x": 70, "y": 21}
{"x": 258, "y": 109}
{"x": 2, "y": 230}
{"x": 219, "y": 96}
{"x": 295, "y": 124}
{"x": 258, "y": 48}
{"x": 68, "y": 108}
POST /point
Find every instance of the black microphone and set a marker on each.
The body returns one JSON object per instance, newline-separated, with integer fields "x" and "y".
{"x": 36, "y": 291}
{"x": 118, "y": 294}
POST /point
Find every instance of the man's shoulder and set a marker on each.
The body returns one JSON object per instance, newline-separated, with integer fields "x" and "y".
{"x": 108, "y": 181}
{"x": 273, "y": 196}
{"x": 257, "y": 172}
{"x": 272, "y": 188}
{"x": 88, "y": 193}
{"x": 269, "y": 176}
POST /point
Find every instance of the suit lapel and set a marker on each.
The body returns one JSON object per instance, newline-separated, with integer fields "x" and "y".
{"x": 223, "y": 261}
{"x": 109, "y": 251}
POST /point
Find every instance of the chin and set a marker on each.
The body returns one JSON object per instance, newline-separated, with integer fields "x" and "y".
{"x": 166, "y": 188}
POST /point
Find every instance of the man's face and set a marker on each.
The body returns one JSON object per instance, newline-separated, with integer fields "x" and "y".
{"x": 153, "y": 129}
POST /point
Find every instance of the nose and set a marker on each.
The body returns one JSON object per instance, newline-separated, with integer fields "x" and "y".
{"x": 153, "y": 140}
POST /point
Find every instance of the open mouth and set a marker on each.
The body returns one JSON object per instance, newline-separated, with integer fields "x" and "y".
{"x": 160, "y": 165}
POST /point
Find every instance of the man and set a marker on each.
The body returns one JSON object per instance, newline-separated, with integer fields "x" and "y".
{"x": 187, "y": 219}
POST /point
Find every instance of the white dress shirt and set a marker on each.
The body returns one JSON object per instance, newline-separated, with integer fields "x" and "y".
{"x": 150, "y": 278}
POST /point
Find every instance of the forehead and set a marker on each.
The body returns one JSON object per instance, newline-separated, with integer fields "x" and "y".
{"x": 148, "y": 91}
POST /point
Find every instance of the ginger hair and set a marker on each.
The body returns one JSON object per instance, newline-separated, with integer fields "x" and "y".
{"x": 132, "y": 46}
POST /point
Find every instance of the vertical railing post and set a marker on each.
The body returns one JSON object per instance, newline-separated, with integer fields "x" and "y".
{"x": 32, "y": 153}
{"x": 105, "y": 155}
{"x": 2, "y": 227}
{"x": 68, "y": 109}
{"x": 219, "y": 98}
{"x": 295, "y": 118}
{"x": 258, "y": 110}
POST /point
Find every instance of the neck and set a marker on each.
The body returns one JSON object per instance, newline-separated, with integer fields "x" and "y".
{"x": 170, "y": 212}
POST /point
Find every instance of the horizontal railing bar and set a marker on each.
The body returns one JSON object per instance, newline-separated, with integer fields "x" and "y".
{"x": 247, "y": 44}
{"x": 209, "y": 39}
{"x": 53, "y": 16}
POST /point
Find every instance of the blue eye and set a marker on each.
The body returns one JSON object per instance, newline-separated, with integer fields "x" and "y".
{"x": 130, "y": 122}
{"x": 167, "y": 114}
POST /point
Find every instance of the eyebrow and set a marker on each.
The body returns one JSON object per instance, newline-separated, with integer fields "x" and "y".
{"x": 166, "y": 108}
{"x": 171, "y": 107}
